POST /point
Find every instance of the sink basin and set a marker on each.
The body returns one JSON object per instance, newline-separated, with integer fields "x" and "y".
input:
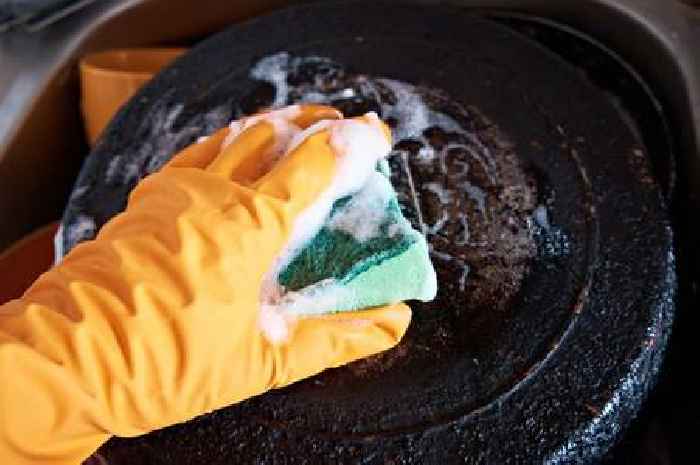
{"x": 42, "y": 142}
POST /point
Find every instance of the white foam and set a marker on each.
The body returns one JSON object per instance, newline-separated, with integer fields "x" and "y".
{"x": 412, "y": 114}
{"x": 113, "y": 168}
{"x": 439, "y": 223}
{"x": 444, "y": 194}
{"x": 462, "y": 172}
{"x": 81, "y": 228}
{"x": 426, "y": 154}
{"x": 477, "y": 194}
{"x": 320, "y": 97}
{"x": 275, "y": 322}
{"x": 172, "y": 115}
{"x": 410, "y": 111}
{"x": 541, "y": 217}
{"x": 463, "y": 276}
{"x": 315, "y": 299}
{"x": 393, "y": 229}
{"x": 274, "y": 69}
{"x": 58, "y": 251}
{"x": 441, "y": 255}
{"x": 455, "y": 260}
{"x": 78, "y": 192}
{"x": 364, "y": 214}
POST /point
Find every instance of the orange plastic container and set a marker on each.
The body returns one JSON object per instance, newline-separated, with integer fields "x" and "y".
{"x": 108, "y": 79}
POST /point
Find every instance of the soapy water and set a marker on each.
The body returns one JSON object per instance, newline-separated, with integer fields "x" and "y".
{"x": 363, "y": 216}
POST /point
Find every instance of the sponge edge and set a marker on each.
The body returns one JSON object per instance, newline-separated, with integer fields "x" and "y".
{"x": 366, "y": 254}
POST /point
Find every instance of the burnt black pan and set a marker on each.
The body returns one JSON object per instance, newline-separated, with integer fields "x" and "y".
{"x": 543, "y": 354}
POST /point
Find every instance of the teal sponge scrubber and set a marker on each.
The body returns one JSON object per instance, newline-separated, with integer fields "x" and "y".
{"x": 365, "y": 255}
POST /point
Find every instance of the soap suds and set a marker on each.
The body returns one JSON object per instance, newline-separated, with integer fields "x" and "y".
{"x": 461, "y": 264}
{"x": 82, "y": 228}
{"x": 364, "y": 214}
{"x": 315, "y": 299}
{"x": 445, "y": 195}
{"x": 272, "y": 69}
{"x": 541, "y": 217}
{"x": 58, "y": 251}
{"x": 393, "y": 230}
{"x": 552, "y": 240}
{"x": 78, "y": 192}
{"x": 477, "y": 194}
{"x": 275, "y": 322}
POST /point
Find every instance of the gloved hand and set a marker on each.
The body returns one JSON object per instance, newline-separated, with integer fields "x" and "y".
{"x": 157, "y": 320}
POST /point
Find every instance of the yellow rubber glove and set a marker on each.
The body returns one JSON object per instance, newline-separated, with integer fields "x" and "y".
{"x": 157, "y": 320}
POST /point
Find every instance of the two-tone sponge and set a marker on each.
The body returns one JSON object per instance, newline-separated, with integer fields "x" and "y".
{"x": 365, "y": 255}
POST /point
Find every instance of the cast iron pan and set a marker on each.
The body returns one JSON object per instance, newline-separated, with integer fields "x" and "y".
{"x": 556, "y": 375}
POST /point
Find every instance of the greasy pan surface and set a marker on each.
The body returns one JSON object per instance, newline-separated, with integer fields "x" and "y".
{"x": 551, "y": 367}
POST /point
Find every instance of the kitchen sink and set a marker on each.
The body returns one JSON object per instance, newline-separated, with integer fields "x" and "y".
{"x": 43, "y": 145}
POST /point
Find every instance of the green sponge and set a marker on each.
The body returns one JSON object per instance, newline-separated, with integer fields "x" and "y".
{"x": 366, "y": 254}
